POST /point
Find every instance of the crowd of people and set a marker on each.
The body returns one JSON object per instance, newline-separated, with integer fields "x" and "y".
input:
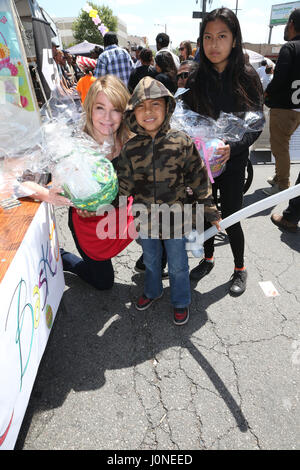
{"x": 134, "y": 101}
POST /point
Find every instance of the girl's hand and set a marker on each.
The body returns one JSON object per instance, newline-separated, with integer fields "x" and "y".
{"x": 224, "y": 152}
{"x": 85, "y": 214}
{"x": 216, "y": 223}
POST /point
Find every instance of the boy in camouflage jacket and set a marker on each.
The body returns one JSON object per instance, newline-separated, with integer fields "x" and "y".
{"x": 155, "y": 167}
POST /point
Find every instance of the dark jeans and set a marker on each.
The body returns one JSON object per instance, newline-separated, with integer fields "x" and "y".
{"x": 99, "y": 274}
{"x": 230, "y": 188}
{"x": 292, "y": 212}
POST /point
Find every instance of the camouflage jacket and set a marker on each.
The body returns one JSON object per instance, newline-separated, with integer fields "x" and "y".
{"x": 158, "y": 171}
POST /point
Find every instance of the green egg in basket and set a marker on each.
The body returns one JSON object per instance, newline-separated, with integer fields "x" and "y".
{"x": 103, "y": 172}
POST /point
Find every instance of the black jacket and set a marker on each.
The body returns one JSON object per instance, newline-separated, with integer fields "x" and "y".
{"x": 139, "y": 73}
{"x": 222, "y": 97}
{"x": 166, "y": 80}
{"x": 282, "y": 91}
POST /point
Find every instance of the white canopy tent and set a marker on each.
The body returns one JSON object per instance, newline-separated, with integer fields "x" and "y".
{"x": 255, "y": 59}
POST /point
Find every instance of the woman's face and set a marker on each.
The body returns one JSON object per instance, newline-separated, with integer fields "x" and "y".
{"x": 218, "y": 43}
{"x": 105, "y": 117}
{"x": 182, "y": 75}
{"x": 183, "y": 52}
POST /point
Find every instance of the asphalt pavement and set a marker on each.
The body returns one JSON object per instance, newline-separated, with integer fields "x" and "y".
{"x": 113, "y": 378}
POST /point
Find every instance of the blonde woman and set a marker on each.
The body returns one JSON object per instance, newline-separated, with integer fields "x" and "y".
{"x": 104, "y": 106}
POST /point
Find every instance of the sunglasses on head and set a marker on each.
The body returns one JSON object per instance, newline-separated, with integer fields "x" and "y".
{"x": 182, "y": 75}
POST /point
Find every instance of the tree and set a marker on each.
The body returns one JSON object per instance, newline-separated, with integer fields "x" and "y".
{"x": 85, "y": 29}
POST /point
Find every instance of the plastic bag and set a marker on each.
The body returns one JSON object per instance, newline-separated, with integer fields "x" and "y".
{"x": 87, "y": 178}
{"x": 208, "y": 133}
{"x": 57, "y": 146}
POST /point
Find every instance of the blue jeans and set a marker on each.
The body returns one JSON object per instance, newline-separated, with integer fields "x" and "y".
{"x": 178, "y": 268}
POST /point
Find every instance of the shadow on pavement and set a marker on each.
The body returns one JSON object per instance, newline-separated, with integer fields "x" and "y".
{"x": 99, "y": 331}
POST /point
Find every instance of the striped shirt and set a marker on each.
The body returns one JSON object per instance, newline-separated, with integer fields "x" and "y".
{"x": 115, "y": 61}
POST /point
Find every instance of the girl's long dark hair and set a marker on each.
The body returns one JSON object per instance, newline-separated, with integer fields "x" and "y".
{"x": 165, "y": 61}
{"x": 239, "y": 73}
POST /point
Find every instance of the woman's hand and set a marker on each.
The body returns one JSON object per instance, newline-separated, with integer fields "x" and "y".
{"x": 85, "y": 214}
{"x": 51, "y": 195}
{"x": 224, "y": 152}
{"x": 54, "y": 197}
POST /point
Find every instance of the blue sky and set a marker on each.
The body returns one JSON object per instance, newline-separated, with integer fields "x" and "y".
{"x": 149, "y": 17}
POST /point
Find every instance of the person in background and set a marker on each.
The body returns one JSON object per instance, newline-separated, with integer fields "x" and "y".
{"x": 163, "y": 45}
{"x": 114, "y": 60}
{"x": 78, "y": 72}
{"x": 137, "y": 55}
{"x": 186, "y": 68}
{"x": 70, "y": 68}
{"x": 166, "y": 71}
{"x": 185, "y": 49}
{"x": 262, "y": 69}
{"x": 94, "y": 54}
{"x": 268, "y": 77}
{"x": 282, "y": 96}
{"x": 146, "y": 59}
{"x": 87, "y": 66}
{"x": 197, "y": 53}
{"x": 291, "y": 215}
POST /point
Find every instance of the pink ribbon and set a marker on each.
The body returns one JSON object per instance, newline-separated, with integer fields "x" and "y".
{"x": 206, "y": 153}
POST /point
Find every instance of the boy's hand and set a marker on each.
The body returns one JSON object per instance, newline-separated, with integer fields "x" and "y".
{"x": 216, "y": 223}
{"x": 86, "y": 214}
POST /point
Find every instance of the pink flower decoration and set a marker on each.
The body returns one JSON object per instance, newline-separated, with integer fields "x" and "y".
{"x": 96, "y": 20}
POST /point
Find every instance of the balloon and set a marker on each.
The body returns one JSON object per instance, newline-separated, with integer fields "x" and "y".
{"x": 87, "y": 8}
{"x": 96, "y": 20}
{"x": 93, "y": 13}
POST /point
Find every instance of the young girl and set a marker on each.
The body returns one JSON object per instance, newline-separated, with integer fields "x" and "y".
{"x": 225, "y": 83}
{"x": 167, "y": 71}
{"x": 104, "y": 105}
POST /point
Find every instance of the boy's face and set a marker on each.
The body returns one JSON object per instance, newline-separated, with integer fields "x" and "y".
{"x": 150, "y": 114}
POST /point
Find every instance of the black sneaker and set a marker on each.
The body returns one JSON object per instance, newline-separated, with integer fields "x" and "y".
{"x": 203, "y": 268}
{"x": 141, "y": 268}
{"x": 139, "y": 265}
{"x": 181, "y": 315}
{"x": 238, "y": 285}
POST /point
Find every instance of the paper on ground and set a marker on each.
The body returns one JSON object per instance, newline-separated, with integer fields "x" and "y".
{"x": 269, "y": 289}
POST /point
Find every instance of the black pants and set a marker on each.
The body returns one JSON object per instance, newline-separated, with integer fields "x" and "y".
{"x": 99, "y": 274}
{"x": 292, "y": 212}
{"x": 230, "y": 188}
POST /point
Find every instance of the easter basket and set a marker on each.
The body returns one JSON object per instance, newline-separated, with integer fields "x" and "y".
{"x": 88, "y": 180}
{"x": 211, "y": 134}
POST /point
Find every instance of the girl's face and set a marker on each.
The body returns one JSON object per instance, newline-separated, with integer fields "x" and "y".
{"x": 105, "y": 117}
{"x": 218, "y": 43}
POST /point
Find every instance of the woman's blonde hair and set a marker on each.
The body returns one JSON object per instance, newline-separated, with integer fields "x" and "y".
{"x": 117, "y": 93}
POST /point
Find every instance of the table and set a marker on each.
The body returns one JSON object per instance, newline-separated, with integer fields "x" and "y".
{"x": 31, "y": 287}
